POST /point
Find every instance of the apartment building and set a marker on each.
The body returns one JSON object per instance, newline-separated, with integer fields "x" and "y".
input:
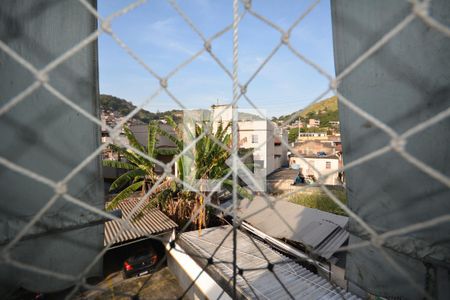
{"x": 268, "y": 141}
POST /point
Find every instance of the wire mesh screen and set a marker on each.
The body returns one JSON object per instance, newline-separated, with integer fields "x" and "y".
{"x": 227, "y": 254}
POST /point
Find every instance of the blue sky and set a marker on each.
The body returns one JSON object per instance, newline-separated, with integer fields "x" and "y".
{"x": 163, "y": 40}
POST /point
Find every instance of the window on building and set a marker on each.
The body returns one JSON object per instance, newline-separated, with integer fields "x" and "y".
{"x": 328, "y": 165}
{"x": 254, "y": 138}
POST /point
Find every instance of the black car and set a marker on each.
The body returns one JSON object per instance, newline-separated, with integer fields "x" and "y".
{"x": 142, "y": 263}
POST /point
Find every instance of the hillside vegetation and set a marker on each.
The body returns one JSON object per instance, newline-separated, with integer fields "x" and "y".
{"x": 328, "y": 107}
{"x": 124, "y": 107}
{"x": 325, "y": 111}
{"x": 329, "y": 104}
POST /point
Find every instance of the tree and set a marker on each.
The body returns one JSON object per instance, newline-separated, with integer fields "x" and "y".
{"x": 293, "y": 134}
{"x": 210, "y": 155}
{"x": 169, "y": 196}
{"x": 141, "y": 171}
{"x": 180, "y": 204}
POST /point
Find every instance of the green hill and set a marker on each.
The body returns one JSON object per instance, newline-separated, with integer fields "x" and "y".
{"x": 329, "y": 104}
{"x": 124, "y": 107}
{"x": 325, "y": 110}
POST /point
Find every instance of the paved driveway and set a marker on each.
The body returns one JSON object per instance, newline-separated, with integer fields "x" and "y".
{"x": 162, "y": 285}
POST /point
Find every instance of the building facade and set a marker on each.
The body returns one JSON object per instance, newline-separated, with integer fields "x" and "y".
{"x": 270, "y": 153}
{"x": 314, "y": 167}
{"x": 263, "y": 136}
{"x": 313, "y": 123}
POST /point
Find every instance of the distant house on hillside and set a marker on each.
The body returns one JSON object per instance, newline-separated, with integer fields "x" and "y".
{"x": 111, "y": 119}
{"x": 334, "y": 123}
{"x": 313, "y": 123}
{"x": 312, "y": 136}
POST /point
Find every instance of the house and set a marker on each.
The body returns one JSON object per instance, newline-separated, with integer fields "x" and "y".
{"x": 313, "y": 123}
{"x": 312, "y": 147}
{"x": 312, "y": 136}
{"x": 334, "y": 123}
{"x": 267, "y": 140}
{"x": 203, "y": 267}
{"x": 315, "y": 166}
{"x": 109, "y": 118}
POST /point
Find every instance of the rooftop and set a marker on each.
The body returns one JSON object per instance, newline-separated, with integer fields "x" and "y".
{"x": 255, "y": 281}
{"x": 151, "y": 222}
{"x": 284, "y": 173}
{"x": 333, "y": 156}
{"x": 320, "y": 231}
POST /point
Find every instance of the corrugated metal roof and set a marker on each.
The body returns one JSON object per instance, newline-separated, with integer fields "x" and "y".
{"x": 152, "y": 221}
{"x": 301, "y": 283}
{"x": 321, "y": 231}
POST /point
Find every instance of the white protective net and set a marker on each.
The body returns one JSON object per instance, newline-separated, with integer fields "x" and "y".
{"x": 419, "y": 11}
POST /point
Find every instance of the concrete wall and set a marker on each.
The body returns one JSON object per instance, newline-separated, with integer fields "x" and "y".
{"x": 313, "y": 147}
{"x": 403, "y": 84}
{"x": 49, "y": 138}
{"x": 186, "y": 270}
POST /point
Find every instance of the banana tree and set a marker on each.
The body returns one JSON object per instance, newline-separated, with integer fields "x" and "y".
{"x": 211, "y": 155}
{"x": 140, "y": 173}
{"x": 209, "y": 158}
{"x": 210, "y": 163}
{"x": 175, "y": 136}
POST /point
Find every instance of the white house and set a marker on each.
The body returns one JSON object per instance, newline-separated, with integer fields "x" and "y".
{"x": 312, "y": 136}
{"x": 311, "y": 166}
{"x": 270, "y": 153}
{"x": 313, "y": 123}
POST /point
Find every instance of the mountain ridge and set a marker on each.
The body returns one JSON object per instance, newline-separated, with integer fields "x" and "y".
{"x": 325, "y": 110}
{"x": 124, "y": 107}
